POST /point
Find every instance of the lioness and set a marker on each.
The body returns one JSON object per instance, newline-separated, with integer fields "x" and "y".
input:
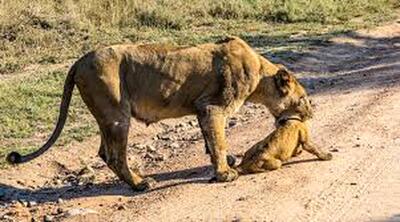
{"x": 152, "y": 82}
{"x": 291, "y": 136}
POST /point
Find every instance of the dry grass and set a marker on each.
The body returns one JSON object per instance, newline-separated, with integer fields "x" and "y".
{"x": 51, "y": 31}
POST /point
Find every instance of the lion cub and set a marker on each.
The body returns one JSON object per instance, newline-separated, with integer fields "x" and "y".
{"x": 288, "y": 140}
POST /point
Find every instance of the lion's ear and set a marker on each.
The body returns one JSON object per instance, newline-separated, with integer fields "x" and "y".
{"x": 283, "y": 81}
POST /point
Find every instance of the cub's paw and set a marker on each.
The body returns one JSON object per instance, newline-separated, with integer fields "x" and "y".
{"x": 326, "y": 156}
{"x": 146, "y": 184}
{"x": 227, "y": 176}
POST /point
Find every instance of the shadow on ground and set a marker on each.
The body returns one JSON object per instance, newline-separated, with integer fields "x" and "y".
{"x": 394, "y": 218}
{"x": 52, "y": 194}
{"x": 351, "y": 61}
{"x": 194, "y": 175}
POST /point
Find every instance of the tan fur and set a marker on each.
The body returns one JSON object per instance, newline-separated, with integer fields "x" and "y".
{"x": 152, "y": 82}
{"x": 286, "y": 141}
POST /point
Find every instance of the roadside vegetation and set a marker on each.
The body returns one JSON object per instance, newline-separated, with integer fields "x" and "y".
{"x": 47, "y": 32}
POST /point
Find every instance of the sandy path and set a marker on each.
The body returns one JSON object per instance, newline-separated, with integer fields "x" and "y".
{"x": 357, "y": 117}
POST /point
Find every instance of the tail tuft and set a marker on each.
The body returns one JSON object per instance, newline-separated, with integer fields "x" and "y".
{"x": 14, "y": 158}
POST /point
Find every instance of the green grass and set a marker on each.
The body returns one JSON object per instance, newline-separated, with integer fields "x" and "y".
{"x": 53, "y": 31}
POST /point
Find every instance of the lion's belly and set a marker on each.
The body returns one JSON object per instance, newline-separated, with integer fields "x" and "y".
{"x": 149, "y": 111}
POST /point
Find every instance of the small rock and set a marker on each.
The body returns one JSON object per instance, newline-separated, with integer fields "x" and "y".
{"x": 48, "y": 218}
{"x": 150, "y": 148}
{"x": 149, "y": 156}
{"x": 31, "y": 203}
{"x": 138, "y": 146}
{"x": 59, "y": 211}
{"x": 241, "y": 199}
{"x": 353, "y": 183}
{"x": 160, "y": 157}
{"x": 357, "y": 145}
{"x": 232, "y": 124}
{"x": 174, "y": 145}
{"x": 86, "y": 170}
{"x": 58, "y": 182}
{"x": 193, "y": 123}
{"x": 14, "y": 202}
{"x": 121, "y": 207}
{"x": 20, "y": 182}
{"x": 164, "y": 137}
{"x": 335, "y": 150}
{"x": 79, "y": 211}
{"x": 23, "y": 202}
{"x": 60, "y": 201}
{"x": 182, "y": 125}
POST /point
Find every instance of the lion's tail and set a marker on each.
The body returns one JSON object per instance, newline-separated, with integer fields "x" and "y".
{"x": 15, "y": 157}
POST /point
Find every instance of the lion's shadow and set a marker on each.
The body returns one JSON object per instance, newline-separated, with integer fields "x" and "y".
{"x": 9, "y": 193}
{"x": 194, "y": 175}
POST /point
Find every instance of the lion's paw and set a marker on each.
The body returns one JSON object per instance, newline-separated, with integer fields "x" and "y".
{"x": 146, "y": 184}
{"x": 326, "y": 156}
{"x": 227, "y": 176}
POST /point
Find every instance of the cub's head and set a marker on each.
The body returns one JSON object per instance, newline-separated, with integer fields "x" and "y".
{"x": 282, "y": 94}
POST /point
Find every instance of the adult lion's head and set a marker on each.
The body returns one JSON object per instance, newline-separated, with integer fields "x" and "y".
{"x": 283, "y": 95}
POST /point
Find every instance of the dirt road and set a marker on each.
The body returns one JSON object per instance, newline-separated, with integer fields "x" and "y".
{"x": 357, "y": 119}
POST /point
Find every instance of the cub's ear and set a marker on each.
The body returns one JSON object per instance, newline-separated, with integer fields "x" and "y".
{"x": 283, "y": 80}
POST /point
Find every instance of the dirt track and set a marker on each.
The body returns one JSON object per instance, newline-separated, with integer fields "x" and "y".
{"x": 357, "y": 118}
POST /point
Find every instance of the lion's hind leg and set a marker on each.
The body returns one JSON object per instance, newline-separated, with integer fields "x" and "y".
{"x": 116, "y": 138}
{"x": 110, "y": 107}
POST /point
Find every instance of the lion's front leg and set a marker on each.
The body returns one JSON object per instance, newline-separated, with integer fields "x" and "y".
{"x": 212, "y": 122}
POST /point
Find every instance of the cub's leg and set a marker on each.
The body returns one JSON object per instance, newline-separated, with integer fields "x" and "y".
{"x": 212, "y": 123}
{"x": 305, "y": 140}
{"x": 311, "y": 148}
{"x": 258, "y": 166}
{"x": 297, "y": 151}
{"x": 271, "y": 164}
